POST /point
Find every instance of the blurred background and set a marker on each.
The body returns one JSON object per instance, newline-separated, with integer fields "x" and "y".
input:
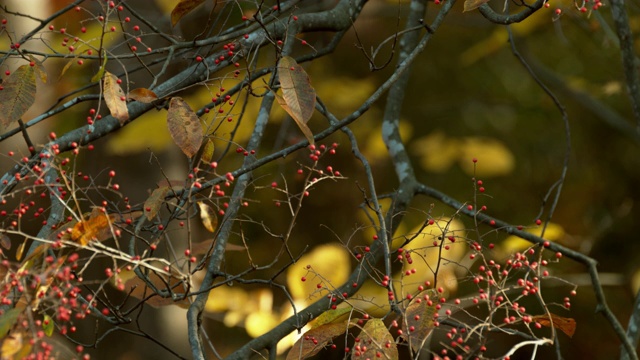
{"x": 468, "y": 97}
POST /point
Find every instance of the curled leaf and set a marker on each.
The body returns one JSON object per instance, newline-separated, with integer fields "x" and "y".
{"x": 18, "y": 95}
{"x": 142, "y": 95}
{"x": 208, "y": 216}
{"x": 183, "y": 8}
{"x": 114, "y": 97}
{"x": 298, "y": 96}
{"x": 184, "y": 126}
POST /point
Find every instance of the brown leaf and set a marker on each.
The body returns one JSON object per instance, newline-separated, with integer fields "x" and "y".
{"x": 298, "y": 96}
{"x": 138, "y": 288}
{"x": 566, "y": 325}
{"x": 208, "y": 216}
{"x": 98, "y": 226}
{"x": 142, "y": 95}
{"x": 18, "y": 95}
{"x": 376, "y": 337}
{"x": 419, "y": 315}
{"x": 5, "y": 241}
{"x": 183, "y": 8}
{"x": 184, "y": 126}
{"x": 473, "y": 4}
{"x": 113, "y": 96}
{"x": 155, "y": 201}
{"x": 207, "y": 152}
{"x": 314, "y": 340}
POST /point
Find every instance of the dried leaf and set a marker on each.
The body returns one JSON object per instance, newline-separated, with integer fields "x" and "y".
{"x": 98, "y": 226}
{"x": 138, "y": 288}
{"x": 379, "y": 342}
{"x": 113, "y": 96}
{"x": 183, "y": 8}
{"x": 207, "y": 152}
{"x": 566, "y": 325}
{"x": 184, "y": 126}
{"x": 154, "y": 202}
{"x": 419, "y": 315}
{"x": 208, "y": 216}
{"x": 142, "y": 95}
{"x": 473, "y": 4}
{"x": 40, "y": 70}
{"x": 298, "y": 96}
{"x": 315, "y": 340}
{"x": 5, "y": 241}
{"x": 18, "y": 95}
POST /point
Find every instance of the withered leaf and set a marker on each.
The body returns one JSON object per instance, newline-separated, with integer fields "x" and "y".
{"x": 142, "y": 95}
{"x": 114, "y": 98}
{"x": 184, "y": 126}
{"x": 18, "y": 95}
{"x": 298, "y": 96}
{"x": 566, "y": 325}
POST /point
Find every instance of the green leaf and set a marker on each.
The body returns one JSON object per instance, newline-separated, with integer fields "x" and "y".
{"x": 102, "y": 69}
{"x": 47, "y": 325}
{"x": 18, "y": 95}
{"x": 8, "y": 320}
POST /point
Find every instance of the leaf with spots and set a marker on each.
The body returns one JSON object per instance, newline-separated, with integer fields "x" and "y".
{"x": 316, "y": 339}
{"x": 418, "y": 320}
{"x": 298, "y": 96}
{"x": 184, "y": 126}
{"x": 114, "y": 98}
{"x": 378, "y": 341}
{"x": 18, "y": 95}
{"x": 183, "y": 8}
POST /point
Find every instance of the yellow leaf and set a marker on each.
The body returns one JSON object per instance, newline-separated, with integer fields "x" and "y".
{"x": 437, "y": 152}
{"x": 207, "y": 152}
{"x": 208, "y": 216}
{"x": 183, "y": 8}
{"x": 259, "y": 323}
{"x": 114, "y": 98}
{"x": 330, "y": 265}
{"x": 494, "y": 158}
{"x": 184, "y": 126}
{"x": 142, "y": 95}
{"x": 18, "y": 95}
{"x": 298, "y": 96}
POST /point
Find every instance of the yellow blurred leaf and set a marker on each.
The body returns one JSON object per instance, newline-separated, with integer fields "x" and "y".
{"x": 375, "y": 149}
{"x": 316, "y": 339}
{"x": 154, "y": 202}
{"x": 437, "y": 152}
{"x": 114, "y": 98}
{"x": 494, "y": 158}
{"x": 378, "y": 341}
{"x": 18, "y": 95}
{"x": 8, "y": 320}
{"x": 298, "y": 96}
{"x": 184, "y": 126}
{"x": 261, "y": 322}
{"x": 12, "y": 345}
{"x": 512, "y": 244}
{"x": 330, "y": 265}
{"x": 208, "y": 216}
{"x": 183, "y": 8}
{"x": 142, "y": 95}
